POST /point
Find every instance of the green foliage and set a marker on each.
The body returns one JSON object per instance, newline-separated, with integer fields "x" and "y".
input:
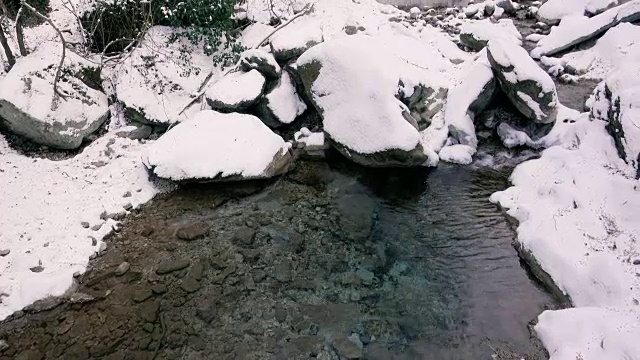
{"x": 207, "y": 22}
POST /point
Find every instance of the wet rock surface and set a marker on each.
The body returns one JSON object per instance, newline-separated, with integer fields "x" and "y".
{"x": 329, "y": 262}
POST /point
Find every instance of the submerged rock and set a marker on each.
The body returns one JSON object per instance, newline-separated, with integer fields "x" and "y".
{"x": 529, "y": 88}
{"x": 214, "y": 146}
{"x": 29, "y": 107}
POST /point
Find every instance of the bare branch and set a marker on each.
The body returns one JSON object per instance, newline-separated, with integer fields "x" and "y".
{"x": 19, "y": 33}
{"x": 7, "y": 50}
{"x": 204, "y": 87}
{"x": 56, "y": 91}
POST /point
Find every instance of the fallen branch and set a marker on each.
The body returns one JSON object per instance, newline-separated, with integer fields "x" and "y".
{"x": 7, "y": 50}
{"x": 64, "y": 47}
{"x": 204, "y": 87}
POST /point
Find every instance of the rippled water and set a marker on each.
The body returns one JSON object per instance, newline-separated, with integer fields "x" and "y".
{"x": 464, "y": 290}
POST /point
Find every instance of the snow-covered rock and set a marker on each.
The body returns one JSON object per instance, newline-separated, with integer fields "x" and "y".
{"x": 255, "y": 33}
{"x": 476, "y": 34}
{"x": 215, "y": 147}
{"x": 264, "y": 62}
{"x": 469, "y": 97}
{"x": 29, "y": 107}
{"x": 528, "y": 87}
{"x": 236, "y": 91}
{"x": 159, "y": 78}
{"x": 517, "y": 133}
{"x": 424, "y": 101}
{"x": 457, "y": 154}
{"x": 296, "y": 38}
{"x": 574, "y": 30}
{"x": 552, "y": 11}
{"x": 282, "y": 105}
{"x": 354, "y": 83}
{"x": 617, "y": 101}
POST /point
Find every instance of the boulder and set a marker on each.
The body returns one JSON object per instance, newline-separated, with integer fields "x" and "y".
{"x": 282, "y": 105}
{"x": 424, "y": 102}
{"x": 355, "y": 84}
{"x": 214, "y": 146}
{"x": 528, "y": 87}
{"x": 264, "y": 62}
{"x": 160, "y": 77}
{"x": 574, "y": 30}
{"x": 296, "y": 38}
{"x": 468, "y": 98}
{"x": 29, "y": 107}
{"x": 476, "y": 34}
{"x": 237, "y": 91}
{"x": 507, "y": 5}
{"x": 617, "y": 101}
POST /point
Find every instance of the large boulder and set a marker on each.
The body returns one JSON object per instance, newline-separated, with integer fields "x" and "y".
{"x": 282, "y": 105}
{"x": 528, "y": 87}
{"x": 617, "y": 101}
{"x": 160, "y": 76}
{"x": 214, "y": 146}
{"x": 29, "y": 107}
{"x": 574, "y": 30}
{"x": 552, "y": 11}
{"x": 236, "y": 91}
{"x": 355, "y": 84}
{"x": 296, "y": 38}
{"x": 468, "y": 98}
{"x": 476, "y": 34}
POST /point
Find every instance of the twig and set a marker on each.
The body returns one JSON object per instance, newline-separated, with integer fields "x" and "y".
{"x": 205, "y": 84}
{"x": 7, "y": 50}
{"x": 56, "y": 91}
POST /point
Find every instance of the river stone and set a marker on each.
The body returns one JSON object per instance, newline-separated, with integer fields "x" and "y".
{"x": 264, "y": 62}
{"x": 159, "y": 289}
{"x": 135, "y": 131}
{"x": 5, "y": 252}
{"x": 148, "y": 311}
{"x": 169, "y": 266}
{"x": 122, "y": 269}
{"x": 529, "y": 88}
{"x": 28, "y": 106}
{"x": 347, "y": 348}
{"x": 190, "y": 285}
{"x": 236, "y": 92}
{"x": 193, "y": 230}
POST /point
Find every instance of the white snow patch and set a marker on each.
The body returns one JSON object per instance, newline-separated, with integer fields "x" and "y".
{"x": 284, "y": 101}
{"x": 237, "y": 87}
{"x": 485, "y": 30}
{"x": 458, "y": 154}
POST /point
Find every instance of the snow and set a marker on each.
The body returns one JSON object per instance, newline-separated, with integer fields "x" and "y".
{"x": 255, "y": 33}
{"x": 485, "y": 30}
{"x": 555, "y": 10}
{"x": 237, "y": 88}
{"x": 43, "y": 205}
{"x": 161, "y": 91}
{"x": 573, "y": 29}
{"x": 458, "y": 154}
{"x": 313, "y": 141}
{"x": 560, "y": 133}
{"x": 215, "y": 145}
{"x": 590, "y": 333}
{"x": 507, "y": 55}
{"x": 357, "y": 84}
{"x": 301, "y": 34}
{"x": 462, "y": 95}
{"x": 284, "y": 101}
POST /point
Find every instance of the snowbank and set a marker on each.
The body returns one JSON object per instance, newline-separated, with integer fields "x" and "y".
{"x": 44, "y": 204}
{"x": 476, "y": 34}
{"x": 216, "y": 146}
{"x": 553, "y": 11}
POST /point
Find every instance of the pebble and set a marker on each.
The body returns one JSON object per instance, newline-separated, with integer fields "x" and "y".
{"x": 5, "y": 252}
{"x": 122, "y": 268}
{"x": 96, "y": 227}
{"x": 159, "y": 289}
{"x": 635, "y": 262}
{"x": 127, "y": 194}
{"x": 190, "y": 285}
{"x": 85, "y": 224}
{"x": 169, "y": 266}
{"x": 244, "y": 236}
{"x": 128, "y": 206}
{"x": 193, "y": 230}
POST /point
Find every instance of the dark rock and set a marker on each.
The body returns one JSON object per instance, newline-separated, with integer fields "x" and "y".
{"x": 148, "y": 311}
{"x": 193, "y": 230}
{"x": 190, "y": 284}
{"x": 207, "y": 310}
{"x": 244, "y": 236}
{"x": 5, "y": 252}
{"x": 85, "y": 224}
{"x": 141, "y": 295}
{"x": 636, "y": 262}
{"x": 76, "y": 352}
{"x": 260, "y": 60}
{"x": 282, "y": 272}
{"x": 30, "y": 354}
{"x": 159, "y": 289}
{"x": 147, "y": 231}
{"x": 169, "y": 266}
{"x": 347, "y": 349}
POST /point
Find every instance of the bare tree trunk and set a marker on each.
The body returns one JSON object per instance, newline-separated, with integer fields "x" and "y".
{"x": 4, "y": 9}
{"x": 7, "y": 49}
{"x": 19, "y": 33}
